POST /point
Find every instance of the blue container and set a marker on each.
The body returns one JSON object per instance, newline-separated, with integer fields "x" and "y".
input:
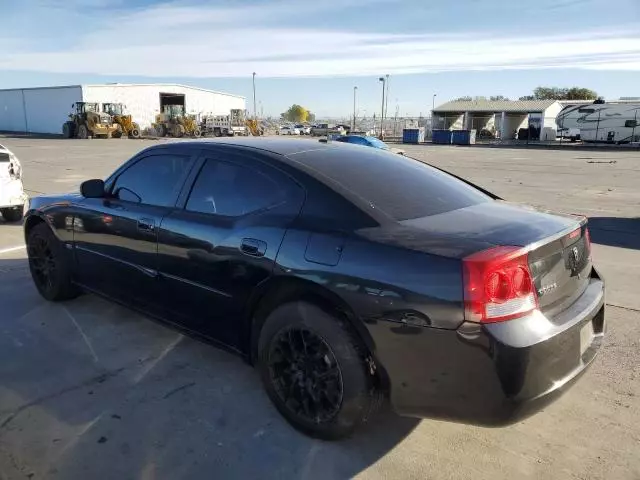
{"x": 463, "y": 137}
{"x": 413, "y": 135}
{"x": 460, "y": 137}
{"x": 441, "y": 137}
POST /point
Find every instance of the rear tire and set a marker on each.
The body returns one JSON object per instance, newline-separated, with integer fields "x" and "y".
{"x": 314, "y": 371}
{"x": 49, "y": 266}
{"x": 13, "y": 214}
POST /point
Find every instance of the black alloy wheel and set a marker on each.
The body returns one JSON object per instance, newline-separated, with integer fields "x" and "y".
{"x": 306, "y": 374}
{"x": 42, "y": 263}
{"x": 314, "y": 368}
{"x": 48, "y": 265}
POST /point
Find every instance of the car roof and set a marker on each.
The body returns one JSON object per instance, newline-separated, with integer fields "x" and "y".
{"x": 280, "y": 146}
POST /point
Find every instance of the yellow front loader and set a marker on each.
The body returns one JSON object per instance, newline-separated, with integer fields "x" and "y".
{"x": 174, "y": 122}
{"x": 126, "y": 125}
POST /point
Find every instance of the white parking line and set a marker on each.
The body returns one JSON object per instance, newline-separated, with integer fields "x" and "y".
{"x": 11, "y": 249}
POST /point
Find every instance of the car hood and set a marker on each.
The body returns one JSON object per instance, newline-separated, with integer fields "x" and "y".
{"x": 461, "y": 232}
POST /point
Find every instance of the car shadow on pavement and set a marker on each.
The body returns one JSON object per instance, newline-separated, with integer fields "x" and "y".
{"x": 615, "y": 231}
{"x": 93, "y": 390}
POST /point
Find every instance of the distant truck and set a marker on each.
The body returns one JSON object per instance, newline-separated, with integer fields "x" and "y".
{"x": 324, "y": 129}
{"x": 225, "y": 125}
{"x": 600, "y": 122}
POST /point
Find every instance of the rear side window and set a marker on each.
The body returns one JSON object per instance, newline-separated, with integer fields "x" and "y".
{"x": 153, "y": 180}
{"x": 229, "y": 189}
{"x": 396, "y": 186}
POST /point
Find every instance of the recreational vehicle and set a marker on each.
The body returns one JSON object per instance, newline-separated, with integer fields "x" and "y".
{"x": 600, "y": 122}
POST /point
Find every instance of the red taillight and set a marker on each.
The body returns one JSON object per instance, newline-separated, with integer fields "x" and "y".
{"x": 498, "y": 285}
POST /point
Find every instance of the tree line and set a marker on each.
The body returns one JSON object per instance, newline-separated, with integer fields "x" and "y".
{"x": 545, "y": 93}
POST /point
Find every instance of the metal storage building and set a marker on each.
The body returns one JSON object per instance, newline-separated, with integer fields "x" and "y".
{"x": 503, "y": 117}
{"x": 45, "y": 109}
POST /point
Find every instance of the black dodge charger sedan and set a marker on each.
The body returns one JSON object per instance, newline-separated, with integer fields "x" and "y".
{"x": 345, "y": 274}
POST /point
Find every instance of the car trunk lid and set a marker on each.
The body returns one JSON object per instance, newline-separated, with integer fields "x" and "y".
{"x": 559, "y": 250}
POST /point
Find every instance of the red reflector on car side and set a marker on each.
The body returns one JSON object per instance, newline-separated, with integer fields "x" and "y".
{"x": 498, "y": 285}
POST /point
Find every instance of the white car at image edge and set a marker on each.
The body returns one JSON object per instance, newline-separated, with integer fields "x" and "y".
{"x": 12, "y": 196}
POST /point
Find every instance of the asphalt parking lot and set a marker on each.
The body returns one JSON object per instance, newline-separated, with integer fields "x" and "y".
{"x": 89, "y": 390}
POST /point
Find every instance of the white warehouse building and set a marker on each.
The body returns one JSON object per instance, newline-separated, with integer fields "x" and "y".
{"x": 45, "y": 109}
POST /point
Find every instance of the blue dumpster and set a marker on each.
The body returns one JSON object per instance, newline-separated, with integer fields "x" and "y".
{"x": 413, "y": 135}
{"x": 441, "y": 137}
{"x": 463, "y": 137}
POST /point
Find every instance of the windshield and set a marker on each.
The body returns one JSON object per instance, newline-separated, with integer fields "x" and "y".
{"x": 113, "y": 108}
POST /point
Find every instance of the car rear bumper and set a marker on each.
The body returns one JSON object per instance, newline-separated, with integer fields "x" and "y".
{"x": 493, "y": 374}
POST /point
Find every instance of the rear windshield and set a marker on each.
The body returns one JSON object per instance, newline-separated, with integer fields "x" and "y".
{"x": 397, "y": 186}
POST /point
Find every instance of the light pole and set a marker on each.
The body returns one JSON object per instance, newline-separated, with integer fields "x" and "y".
{"x": 255, "y": 110}
{"x": 386, "y": 102}
{"x": 433, "y": 103}
{"x": 353, "y": 126}
{"x": 382, "y": 79}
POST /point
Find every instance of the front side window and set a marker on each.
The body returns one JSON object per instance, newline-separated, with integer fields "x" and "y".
{"x": 229, "y": 189}
{"x": 153, "y": 180}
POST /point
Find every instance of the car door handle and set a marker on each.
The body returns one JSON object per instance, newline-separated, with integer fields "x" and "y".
{"x": 253, "y": 247}
{"x": 146, "y": 225}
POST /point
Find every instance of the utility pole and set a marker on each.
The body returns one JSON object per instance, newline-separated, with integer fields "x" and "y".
{"x": 386, "y": 102}
{"x": 255, "y": 110}
{"x": 353, "y": 126}
{"x": 382, "y": 79}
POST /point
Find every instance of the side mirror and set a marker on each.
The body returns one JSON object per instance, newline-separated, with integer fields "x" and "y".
{"x": 92, "y": 188}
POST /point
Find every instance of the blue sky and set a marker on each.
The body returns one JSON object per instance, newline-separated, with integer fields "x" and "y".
{"x": 313, "y": 53}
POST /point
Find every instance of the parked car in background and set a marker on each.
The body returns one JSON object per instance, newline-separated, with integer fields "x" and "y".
{"x": 367, "y": 141}
{"x": 304, "y": 129}
{"x": 12, "y": 196}
{"x": 344, "y": 274}
{"x": 324, "y": 129}
{"x": 288, "y": 130}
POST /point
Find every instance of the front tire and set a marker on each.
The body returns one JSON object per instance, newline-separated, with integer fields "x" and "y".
{"x": 83, "y": 133}
{"x": 67, "y": 130}
{"x": 13, "y": 214}
{"x": 135, "y": 131}
{"x": 315, "y": 372}
{"x": 49, "y": 266}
